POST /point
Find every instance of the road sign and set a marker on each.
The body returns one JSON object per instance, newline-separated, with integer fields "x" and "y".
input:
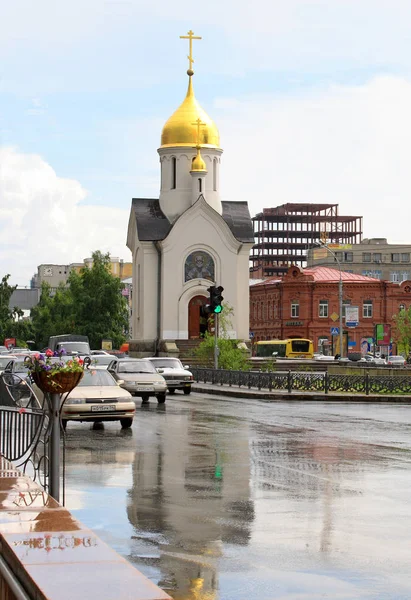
{"x": 334, "y": 316}
{"x": 352, "y": 324}
{"x": 335, "y": 330}
{"x": 251, "y": 335}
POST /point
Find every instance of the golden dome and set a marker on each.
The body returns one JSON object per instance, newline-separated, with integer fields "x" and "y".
{"x": 181, "y": 127}
{"x": 198, "y": 163}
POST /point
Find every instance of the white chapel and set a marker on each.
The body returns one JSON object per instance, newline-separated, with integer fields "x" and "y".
{"x": 188, "y": 239}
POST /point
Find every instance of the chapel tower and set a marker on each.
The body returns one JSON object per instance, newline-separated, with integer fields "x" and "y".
{"x": 187, "y": 239}
{"x": 190, "y": 154}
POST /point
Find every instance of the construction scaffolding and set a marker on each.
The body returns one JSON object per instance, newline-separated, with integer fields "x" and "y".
{"x": 284, "y": 234}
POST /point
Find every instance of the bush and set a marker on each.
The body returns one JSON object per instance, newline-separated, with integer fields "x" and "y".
{"x": 230, "y": 356}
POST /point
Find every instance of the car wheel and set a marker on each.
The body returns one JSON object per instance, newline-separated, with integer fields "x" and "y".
{"x": 145, "y": 399}
{"x": 187, "y": 391}
{"x": 171, "y": 391}
{"x": 126, "y": 423}
{"x": 161, "y": 398}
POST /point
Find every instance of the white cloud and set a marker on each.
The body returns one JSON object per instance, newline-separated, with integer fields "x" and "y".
{"x": 42, "y": 219}
{"x": 345, "y": 145}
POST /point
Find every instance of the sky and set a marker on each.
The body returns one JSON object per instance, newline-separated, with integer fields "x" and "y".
{"x": 312, "y": 101}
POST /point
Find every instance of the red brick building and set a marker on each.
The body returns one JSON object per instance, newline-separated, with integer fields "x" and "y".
{"x": 305, "y": 303}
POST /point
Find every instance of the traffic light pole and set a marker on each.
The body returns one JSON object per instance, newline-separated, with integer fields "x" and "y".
{"x": 216, "y": 350}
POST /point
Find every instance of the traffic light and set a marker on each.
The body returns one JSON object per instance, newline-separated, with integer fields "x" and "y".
{"x": 215, "y": 299}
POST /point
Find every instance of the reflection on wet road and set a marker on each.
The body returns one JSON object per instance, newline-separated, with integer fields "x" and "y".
{"x": 235, "y": 499}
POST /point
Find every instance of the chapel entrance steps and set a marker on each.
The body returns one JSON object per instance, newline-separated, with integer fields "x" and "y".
{"x": 187, "y": 350}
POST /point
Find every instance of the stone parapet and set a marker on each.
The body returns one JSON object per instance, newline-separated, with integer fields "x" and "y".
{"x": 47, "y": 554}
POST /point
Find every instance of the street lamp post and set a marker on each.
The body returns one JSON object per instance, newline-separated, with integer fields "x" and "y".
{"x": 340, "y": 294}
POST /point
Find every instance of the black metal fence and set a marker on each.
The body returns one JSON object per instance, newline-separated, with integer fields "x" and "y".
{"x": 290, "y": 381}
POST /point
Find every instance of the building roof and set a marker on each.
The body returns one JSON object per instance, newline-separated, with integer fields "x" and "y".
{"x": 326, "y": 274}
{"x": 323, "y": 275}
{"x": 237, "y": 217}
{"x": 152, "y": 224}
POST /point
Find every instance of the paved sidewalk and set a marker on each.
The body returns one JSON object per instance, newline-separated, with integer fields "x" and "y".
{"x": 281, "y": 395}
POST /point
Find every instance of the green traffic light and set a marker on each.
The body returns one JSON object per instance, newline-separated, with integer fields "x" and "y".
{"x": 218, "y": 309}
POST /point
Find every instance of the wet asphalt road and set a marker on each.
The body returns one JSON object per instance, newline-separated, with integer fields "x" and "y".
{"x": 238, "y": 499}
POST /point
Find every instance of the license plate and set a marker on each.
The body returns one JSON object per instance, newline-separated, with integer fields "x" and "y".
{"x": 144, "y": 388}
{"x": 103, "y": 408}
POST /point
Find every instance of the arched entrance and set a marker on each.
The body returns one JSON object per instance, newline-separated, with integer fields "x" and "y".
{"x": 197, "y": 319}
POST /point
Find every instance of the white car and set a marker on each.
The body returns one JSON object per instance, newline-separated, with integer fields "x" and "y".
{"x": 323, "y": 357}
{"x": 139, "y": 377}
{"x": 396, "y": 361}
{"x": 98, "y": 397}
{"x": 177, "y": 376}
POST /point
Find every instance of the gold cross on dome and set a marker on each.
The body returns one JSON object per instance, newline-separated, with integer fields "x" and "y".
{"x": 199, "y": 124}
{"x": 190, "y": 36}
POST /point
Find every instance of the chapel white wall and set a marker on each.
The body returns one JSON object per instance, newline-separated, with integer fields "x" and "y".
{"x": 173, "y": 202}
{"x": 145, "y": 291}
{"x": 202, "y": 230}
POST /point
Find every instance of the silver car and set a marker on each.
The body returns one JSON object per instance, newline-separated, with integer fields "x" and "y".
{"x": 177, "y": 377}
{"x": 139, "y": 377}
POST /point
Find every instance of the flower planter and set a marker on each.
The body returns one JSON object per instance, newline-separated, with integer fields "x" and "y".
{"x": 57, "y": 383}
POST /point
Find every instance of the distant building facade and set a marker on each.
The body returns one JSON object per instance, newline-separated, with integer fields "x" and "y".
{"x": 55, "y": 275}
{"x": 305, "y": 304}
{"x": 284, "y": 234}
{"x": 373, "y": 257}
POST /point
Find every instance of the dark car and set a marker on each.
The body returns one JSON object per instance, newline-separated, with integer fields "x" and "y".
{"x": 139, "y": 377}
{"x": 16, "y": 377}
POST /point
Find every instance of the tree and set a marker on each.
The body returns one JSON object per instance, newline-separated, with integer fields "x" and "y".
{"x": 92, "y": 304}
{"x": 8, "y": 316}
{"x": 53, "y": 315}
{"x": 230, "y": 355}
{"x": 98, "y": 307}
{"x": 402, "y": 330}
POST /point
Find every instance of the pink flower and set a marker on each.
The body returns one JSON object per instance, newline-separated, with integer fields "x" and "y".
{"x": 49, "y": 352}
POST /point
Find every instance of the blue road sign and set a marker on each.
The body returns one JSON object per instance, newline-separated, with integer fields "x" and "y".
{"x": 335, "y": 330}
{"x": 251, "y": 335}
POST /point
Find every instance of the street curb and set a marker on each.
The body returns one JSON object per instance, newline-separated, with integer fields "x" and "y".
{"x": 280, "y": 396}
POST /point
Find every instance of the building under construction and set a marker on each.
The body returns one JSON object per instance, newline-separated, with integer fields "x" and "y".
{"x": 284, "y": 234}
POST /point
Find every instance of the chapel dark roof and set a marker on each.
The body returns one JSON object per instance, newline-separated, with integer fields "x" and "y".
{"x": 237, "y": 217}
{"x": 152, "y": 224}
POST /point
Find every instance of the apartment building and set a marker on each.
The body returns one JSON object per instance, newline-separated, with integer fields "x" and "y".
{"x": 373, "y": 257}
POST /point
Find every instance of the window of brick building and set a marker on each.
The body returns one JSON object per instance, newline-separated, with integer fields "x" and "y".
{"x": 405, "y": 257}
{"x": 395, "y": 277}
{"x": 348, "y": 256}
{"x": 395, "y": 257}
{"x": 345, "y": 304}
{"x": 366, "y": 257}
{"x": 367, "y": 309}
{"x": 377, "y": 257}
{"x": 402, "y": 306}
{"x": 295, "y": 309}
{"x": 323, "y": 308}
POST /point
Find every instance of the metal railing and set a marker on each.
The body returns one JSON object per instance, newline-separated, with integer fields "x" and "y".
{"x": 297, "y": 381}
{"x": 24, "y": 428}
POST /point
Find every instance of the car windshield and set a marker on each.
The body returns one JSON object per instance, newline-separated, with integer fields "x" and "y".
{"x": 96, "y": 377}
{"x": 136, "y": 366}
{"x": 171, "y": 363}
{"x": 74, "y": 347}
{"x": 396, "y": 359}
{"x": 101, "y": 359}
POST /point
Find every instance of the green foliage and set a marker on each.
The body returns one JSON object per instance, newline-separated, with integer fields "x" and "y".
{"x": 91, "y": 305}
{"x": 402, "y": 331}
{"x": 230, "y": 356}
{"x": 268, "y": 366}
{"x": 10, "y": 325}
